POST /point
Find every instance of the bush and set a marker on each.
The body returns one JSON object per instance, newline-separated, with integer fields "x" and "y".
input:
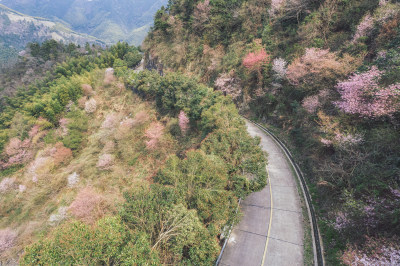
{"x": 133, "y": 58}
{"x": 88, "y": 205}
{"x": 77, "y": 127}
{"x": 109, "y": 242}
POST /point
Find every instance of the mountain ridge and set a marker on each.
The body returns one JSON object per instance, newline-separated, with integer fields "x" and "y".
{"x": 109, "y": 20}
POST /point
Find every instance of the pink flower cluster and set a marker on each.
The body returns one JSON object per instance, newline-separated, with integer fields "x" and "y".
{"x": 364, "y": 28}
{"x": 341, "y": 221}
{"x": 18, "y": 152}
{"x": 228, "y": 85}
{"x": 154, "y": 133}
{"x": 63, "y": 122}
{"x": 87, "y": 205}
{"x": 279, "y": 67}
{"x": 110, "y": 121}
{"x": 183, "y": 122}
{"x": 106, "y": 161}
{"x": 6, "y": 184}
{"x": 348, "y": 139}
{"x": 254, "y": 61}
{"x": 276, "y": 5}
{"x": 374, "y": 252}
{"x": 7, "y": 239}
{"x": 362, "y": 95}
{"x": 311, "y": 103}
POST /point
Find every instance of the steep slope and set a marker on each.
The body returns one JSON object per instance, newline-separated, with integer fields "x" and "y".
{"x": 93, "y": 173}
{"x": 325, "y": 74}
{"x": 108, "y": 20}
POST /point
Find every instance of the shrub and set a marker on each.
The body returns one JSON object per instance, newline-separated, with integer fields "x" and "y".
{"x": 311, "y": 103}
{"x": 87, "y": 90}
{"x": 154, "y": 133}
{"x": 364, "y": 28}
{"x": 255, "y": 60}
{"x": 111, "y": 121}
{"x": 108, "y": 242}
{"x": 319, "y": 68}
{"x": 77, "y": 126}
{"x": 279, "y": 67}
{"x": 7, "y": 184}
{"x": 229, "y": 85}
{"x": 7, "y": 239}
{"x": 40, "y": 166}
{"x": 21, "y": 188}
{"x": 63, "y": 122}
{"x": 90, "y": 106}
{"x": 133, "y": 58}
{"x": 88, "y": 205}
{"x": 59, "y": 216}
{"x": 61, "y": 154}
{"x": 183, "y": 122}
{"x": 73, "y": 179}
{"x": 202, "y": 180}
{"x": 106, "y": 161}
{"x": 18, "y": 152}
{"x": 141, "y": 117}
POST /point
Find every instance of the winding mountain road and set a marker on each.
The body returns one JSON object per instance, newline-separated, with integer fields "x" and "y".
{"x": 271, "y": 231}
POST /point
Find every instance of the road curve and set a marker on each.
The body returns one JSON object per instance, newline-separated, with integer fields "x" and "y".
{"x": 271, "y": 231}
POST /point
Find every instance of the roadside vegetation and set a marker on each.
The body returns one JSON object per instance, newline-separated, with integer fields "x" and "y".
{"x": 103, "y": 165}
{"x": 326, "y": 74}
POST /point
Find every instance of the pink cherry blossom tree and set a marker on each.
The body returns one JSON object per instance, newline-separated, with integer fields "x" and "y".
{"x": 362, "y": 95}
{"x": 255, "y": 60}
{"x": 183, "y": 122}
{"x": 229, "y": 85}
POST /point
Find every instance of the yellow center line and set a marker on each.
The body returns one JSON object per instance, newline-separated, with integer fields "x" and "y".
{"x": 270, "y": 220}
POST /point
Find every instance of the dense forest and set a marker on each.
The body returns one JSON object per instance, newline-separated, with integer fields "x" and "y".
{"x": 325, "y": 75}
{"x": 100, "y": 164}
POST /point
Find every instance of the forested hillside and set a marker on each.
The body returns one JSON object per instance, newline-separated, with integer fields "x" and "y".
{"x": 108, "y": 20}
{"x": 325, "y": 74}
{"x": 100, "y": 165}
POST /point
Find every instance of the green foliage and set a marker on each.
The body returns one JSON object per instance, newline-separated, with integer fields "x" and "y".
{"x": 145, "y": 206}
{"x": 174, "y": 92}
{"x": 108, "y": 242}
{"x": 158, "y": 210}
{"x": 160, "y": 20}
{"x": 133, "y": 58}
{"x": 76, "y": 129}
{"x": 201, "y": 180}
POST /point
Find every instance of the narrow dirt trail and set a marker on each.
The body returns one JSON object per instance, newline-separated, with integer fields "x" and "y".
{"x": 271, "y": 230}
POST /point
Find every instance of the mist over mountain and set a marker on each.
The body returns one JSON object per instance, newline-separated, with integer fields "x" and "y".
{"x": 17, "y": 30}
{"x": 108, "y": 20}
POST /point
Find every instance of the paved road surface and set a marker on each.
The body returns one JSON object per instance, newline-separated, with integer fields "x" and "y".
{"x": 271, "y": 230}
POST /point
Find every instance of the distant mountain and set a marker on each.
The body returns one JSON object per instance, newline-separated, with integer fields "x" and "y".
{"x": 108, "y": 20}
{"x": 17, "y": 30}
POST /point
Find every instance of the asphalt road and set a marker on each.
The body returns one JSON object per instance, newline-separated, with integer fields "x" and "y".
{"x": 271, "y": 230}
